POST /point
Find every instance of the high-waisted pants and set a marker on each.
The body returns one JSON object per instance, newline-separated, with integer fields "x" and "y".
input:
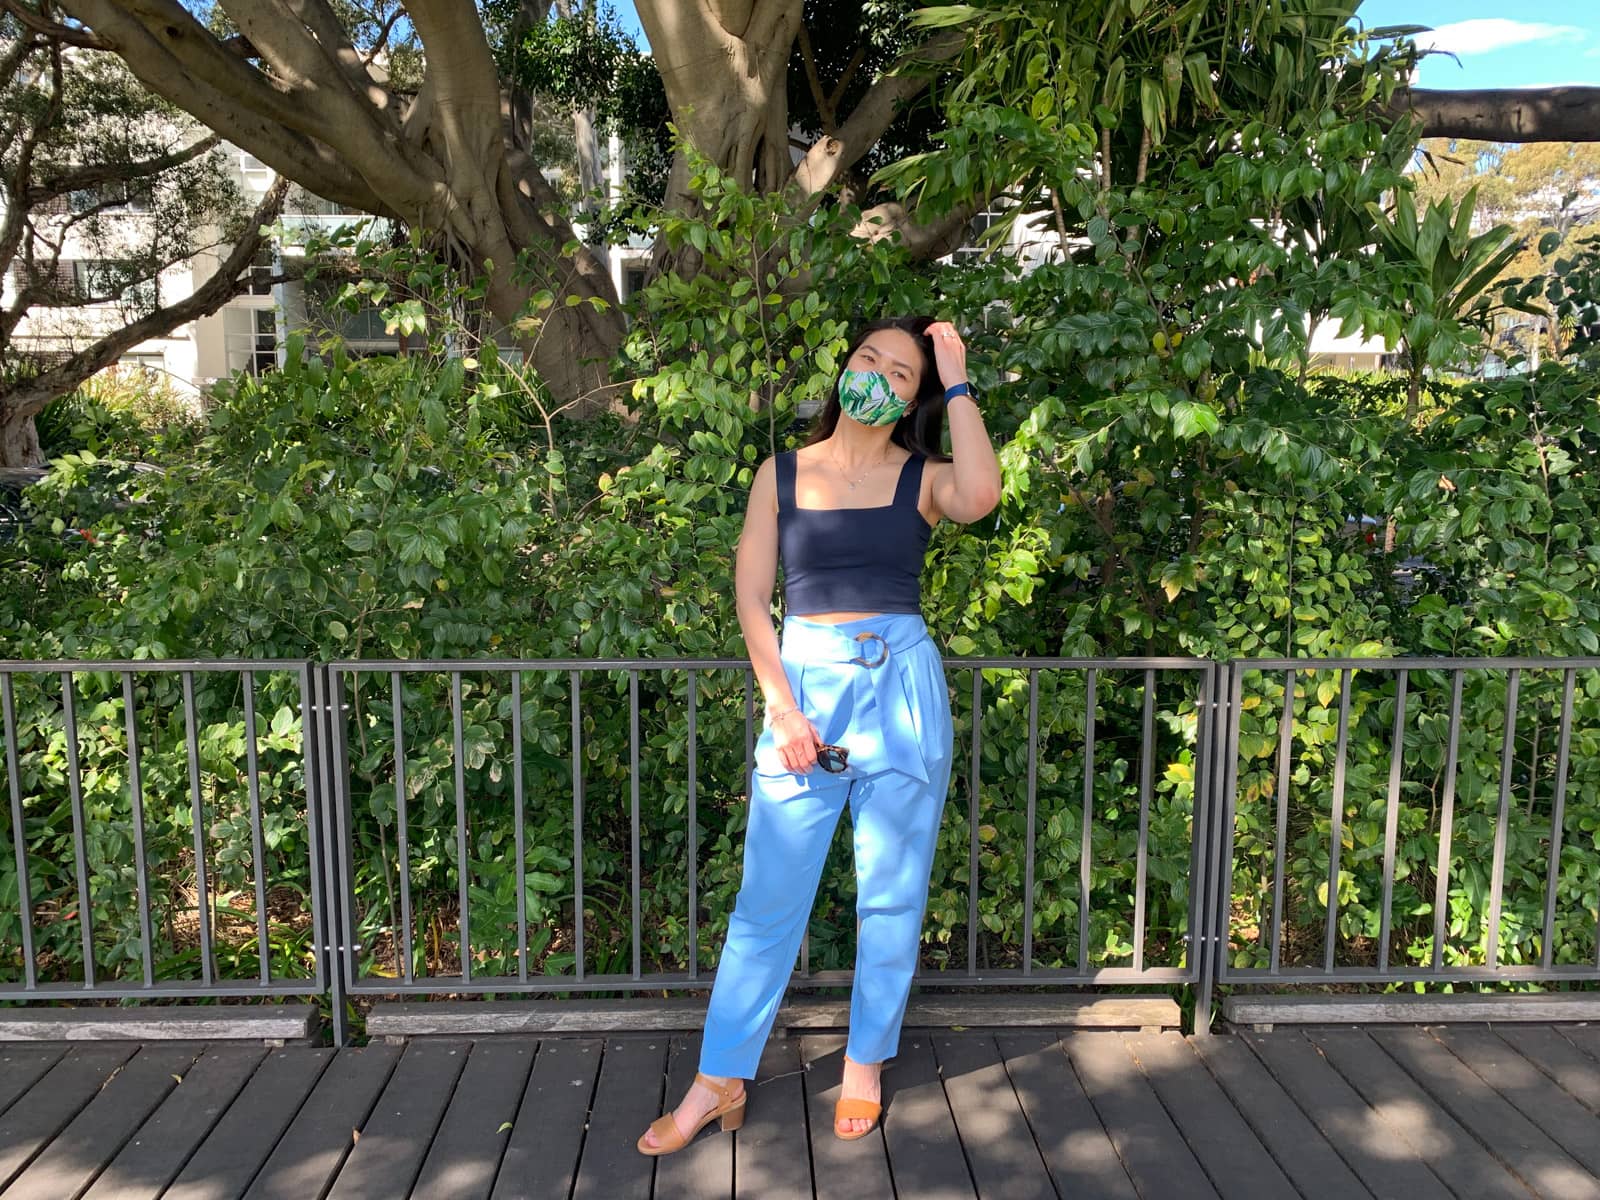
{"x": 876, "y": 687}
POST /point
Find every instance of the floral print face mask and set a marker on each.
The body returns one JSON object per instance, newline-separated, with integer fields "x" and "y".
{"x": 867, "y": 398}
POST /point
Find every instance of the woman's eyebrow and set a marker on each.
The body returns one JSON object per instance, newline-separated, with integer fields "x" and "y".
{"x": 878, "y": 350}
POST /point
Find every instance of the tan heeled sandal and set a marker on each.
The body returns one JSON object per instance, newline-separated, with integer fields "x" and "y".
{"x": 848, "y": 1110}
{"x": 729, "y": 1107}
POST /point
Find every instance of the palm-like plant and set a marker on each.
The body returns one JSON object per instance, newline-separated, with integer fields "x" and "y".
{"x": 1442, "y": 276}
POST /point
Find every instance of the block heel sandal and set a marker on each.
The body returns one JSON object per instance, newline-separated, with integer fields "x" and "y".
{"x": 730, "y": 1109}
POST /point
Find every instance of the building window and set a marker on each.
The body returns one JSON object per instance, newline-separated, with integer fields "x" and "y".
{"x": 261, "y": 270}
{"x": 974, "y": 247}
{"x": 264, "y": 354}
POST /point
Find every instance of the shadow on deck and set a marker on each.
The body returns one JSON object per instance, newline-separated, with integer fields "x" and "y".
{"x": 1405, "y": 1112}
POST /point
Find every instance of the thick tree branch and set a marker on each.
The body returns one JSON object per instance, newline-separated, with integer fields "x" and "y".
{"x": 64, "y": 34}
{"x": 831, "y": 157}
{"x": 28, "y": 399}
{"x": 1565, "y": 114}
{"x": 92, "y": 176}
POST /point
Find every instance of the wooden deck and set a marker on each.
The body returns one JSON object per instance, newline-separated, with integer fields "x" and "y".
{"x": 1406, "y": 1113}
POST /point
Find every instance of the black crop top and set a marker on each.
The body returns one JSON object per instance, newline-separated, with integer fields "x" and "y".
{"x": 852, "y": 559}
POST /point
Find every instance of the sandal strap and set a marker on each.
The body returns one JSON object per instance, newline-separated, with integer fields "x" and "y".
{"x": 724, "y": 1091}
{"x": 853, "y": 1109}
{"x": 667, "y": 1136}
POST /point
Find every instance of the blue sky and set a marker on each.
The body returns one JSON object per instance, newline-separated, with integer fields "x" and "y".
{"x": 1529, "y": 43}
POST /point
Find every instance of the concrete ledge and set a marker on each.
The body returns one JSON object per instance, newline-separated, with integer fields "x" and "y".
{"x": 468, "y": 1017}
{"x": 189, "y": 1023}
{"x": 1263, "y": 1012}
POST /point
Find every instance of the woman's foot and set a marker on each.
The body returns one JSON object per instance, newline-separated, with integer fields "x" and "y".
{"x": 861, "y": 1082}
{"x": 696, "y": 1103}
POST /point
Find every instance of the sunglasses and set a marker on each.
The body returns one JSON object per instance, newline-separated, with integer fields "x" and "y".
{"x": 833, "y": 759}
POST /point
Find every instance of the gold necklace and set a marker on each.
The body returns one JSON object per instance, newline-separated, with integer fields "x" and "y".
{"x": 862, "y": 478}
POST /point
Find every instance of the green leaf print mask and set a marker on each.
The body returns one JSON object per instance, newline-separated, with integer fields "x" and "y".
{"x": 867, "y": 398}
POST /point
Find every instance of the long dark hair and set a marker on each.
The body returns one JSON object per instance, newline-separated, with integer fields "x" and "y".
{"x": 920, "y": 431}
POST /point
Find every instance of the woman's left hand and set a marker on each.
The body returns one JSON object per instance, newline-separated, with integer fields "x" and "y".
{"x": 949, "y": 353}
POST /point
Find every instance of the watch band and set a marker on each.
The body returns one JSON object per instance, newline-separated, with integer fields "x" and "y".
{"x": 957, "y": 389}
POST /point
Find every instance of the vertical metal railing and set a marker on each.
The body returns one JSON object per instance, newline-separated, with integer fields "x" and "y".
{"x": 371, "y": 946}
{"x": 1467, "y": 787}
{"x": 183, "y": 764}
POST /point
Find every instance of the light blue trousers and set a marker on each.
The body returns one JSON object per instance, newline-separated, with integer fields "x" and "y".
{"x": 883, "y": 698}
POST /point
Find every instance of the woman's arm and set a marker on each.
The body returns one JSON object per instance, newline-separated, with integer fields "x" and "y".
{"x": 968, "y": 487}
{"x": 755, "y": 574}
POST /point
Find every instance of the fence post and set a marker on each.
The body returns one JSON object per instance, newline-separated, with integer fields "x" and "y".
{"x": 1213, "y": 881}
{"x": 319, "y": 728}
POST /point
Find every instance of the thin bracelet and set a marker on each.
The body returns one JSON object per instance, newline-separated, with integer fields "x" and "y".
{"x": 774, "y": 717}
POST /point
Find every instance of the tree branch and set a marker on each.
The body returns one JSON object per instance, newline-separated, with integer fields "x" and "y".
{"x": 93, "y": 176}
{"x": 1565, "y": 114}
{"x": 65, "y": 34}
{"x": 831, "y": 157}
{"x": 226, "y": 282}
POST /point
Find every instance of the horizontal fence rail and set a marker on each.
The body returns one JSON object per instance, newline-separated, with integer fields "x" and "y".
{"x": 191, "y": 829}
{"x": 147, "y": 856}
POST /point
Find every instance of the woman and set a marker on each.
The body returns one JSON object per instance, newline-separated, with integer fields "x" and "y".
{"x": 858, "y": 711}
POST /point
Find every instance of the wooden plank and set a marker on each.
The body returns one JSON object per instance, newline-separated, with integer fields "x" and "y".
{"x": 704, "y": 1168}
{"x": 465, "y": 1155}
{"x": 1565, "y": 1121}
{"x": 234, "y": 1150}
{"x": 628, "y": 1096}
{"x": 840, "y": 1170}
{"x": 52, "y": 1102}
{"x": 1150, "y": 1146}
{"x": 395, "y": 1138}
{"x": 1239, "y": 1166}
{"x": 770, "y": 1151}
{"x": 1558, "y": 1058}
{"x": 1429, "y": 1135}
{"x": 919, "y": 1128}
{"x": 994, "y": 1130}
{"x": 23, "y": 1066}
{"x": 1074, "y": 1144}
{"x": 543, "y": 1146}
{"x": 474, "y": 1018}
{"x": 1345, "y": 1119}
{"x": 1292, "y": 1140}
{"x": 307, "y": 1158}
{"x": 198, "y": 1023}
{"x": 1409, "y": 1008}
{"x": 81, "y": 1151}
{"x": 1585, "y": 1038}
{"x": 165, "y": 1142}
{"x": 1513, "y": 1139}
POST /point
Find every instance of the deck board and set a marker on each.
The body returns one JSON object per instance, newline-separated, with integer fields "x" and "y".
{"x": 81, "y": 1150}
{"x": 235, "y": 1149}
{"x": 465, "y": 1154}
{"x": 1000, "y": 1148}
{"x": 1449, "y": 1150}
{"x": 157, "y": 1152}
{"x": 546, "y": 1137}
{"x": 1077, "y": 1150}
{"x": 1158, "y": 1159}
{"x": 1516, "y": 1141}
{"x": 1401, "y": 1113}
{"x": 1240, "y": 1167}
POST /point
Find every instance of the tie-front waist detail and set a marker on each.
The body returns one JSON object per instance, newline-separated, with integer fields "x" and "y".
{"x": 875, "y": 686}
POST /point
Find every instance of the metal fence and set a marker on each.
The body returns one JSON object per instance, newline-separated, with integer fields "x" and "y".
{"x": 521, "y": 827}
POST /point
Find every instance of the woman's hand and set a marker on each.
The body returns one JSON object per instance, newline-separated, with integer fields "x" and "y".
{"x": 796, "y": 740}
{"x": 949, "y": 353}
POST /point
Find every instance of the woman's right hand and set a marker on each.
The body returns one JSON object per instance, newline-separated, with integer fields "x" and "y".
{"x": 795, "y": 739}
